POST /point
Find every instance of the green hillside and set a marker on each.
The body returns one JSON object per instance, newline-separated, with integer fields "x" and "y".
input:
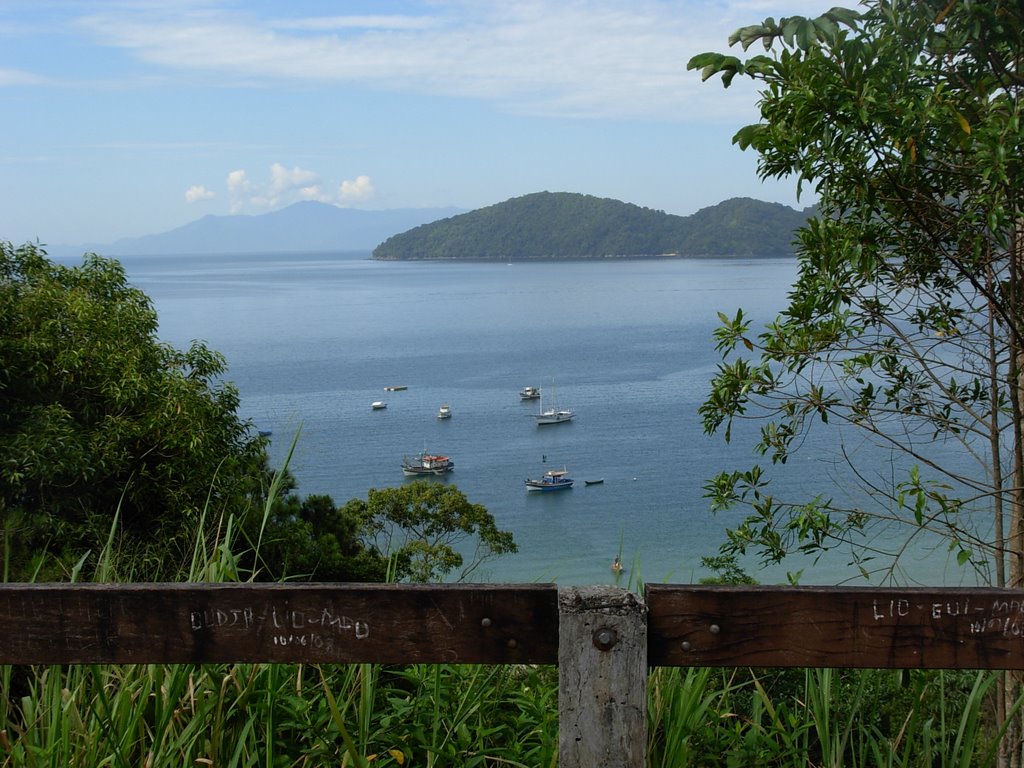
{"x": 563, "y": 225}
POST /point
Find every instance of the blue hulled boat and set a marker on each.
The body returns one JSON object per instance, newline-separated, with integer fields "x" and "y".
{"x": 553, "y": 480}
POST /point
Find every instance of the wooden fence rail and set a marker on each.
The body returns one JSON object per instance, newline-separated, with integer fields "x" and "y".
{"x": 602, "y": 638}
{"x": 277, "y": 623}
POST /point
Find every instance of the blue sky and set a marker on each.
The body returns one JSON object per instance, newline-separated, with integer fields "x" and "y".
{"x": 129, "y": 118}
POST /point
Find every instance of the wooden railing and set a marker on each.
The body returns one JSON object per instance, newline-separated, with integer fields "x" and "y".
{"x": 602, "y": 638}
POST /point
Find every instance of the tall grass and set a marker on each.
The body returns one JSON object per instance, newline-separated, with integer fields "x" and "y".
{"x": 370, "y": 715}
{"x": 820, "y": 717}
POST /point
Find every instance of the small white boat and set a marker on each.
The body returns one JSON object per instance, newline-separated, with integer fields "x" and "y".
{"x": 529, "y": 393}
{"x": 444, "y": 412}
{"x": 426, "y": 464}
{"x": 398, "y": 388}
{"x": 378, "y": 405}
{"x": 553, "y": 480}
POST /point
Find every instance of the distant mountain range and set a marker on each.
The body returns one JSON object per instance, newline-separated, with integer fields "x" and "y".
{"x": 543, "y": 225}
{"x": 305, "y": 226}
{"x": 562, "y": 225}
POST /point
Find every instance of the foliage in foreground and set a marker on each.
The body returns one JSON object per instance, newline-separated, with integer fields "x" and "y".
{"x": 420, "y": 531}
{"x": 469, "y": 715}
{"x": 474, "y": 715}
{"x": 420, "y": 525}
{"x": 99, "y": 418}
{"x": 904, "y": 332}
{"x": 904, "y": 328}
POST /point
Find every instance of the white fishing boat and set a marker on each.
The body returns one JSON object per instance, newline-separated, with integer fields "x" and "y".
{"x": 529, "y": 393}
{"x": 444, "y": 412}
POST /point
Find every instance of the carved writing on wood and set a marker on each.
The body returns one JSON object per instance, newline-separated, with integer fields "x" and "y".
{"x": 836, "y": 627}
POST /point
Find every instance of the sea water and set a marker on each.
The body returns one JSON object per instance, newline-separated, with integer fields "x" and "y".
{"x": 312, "y": 339}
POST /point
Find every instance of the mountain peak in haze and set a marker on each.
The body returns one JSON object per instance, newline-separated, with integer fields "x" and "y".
{"x": 305, "y": 226}
{"x": 541, "y": 225}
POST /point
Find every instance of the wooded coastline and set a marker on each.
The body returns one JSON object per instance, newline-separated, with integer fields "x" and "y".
{"x": 561, "y": 226}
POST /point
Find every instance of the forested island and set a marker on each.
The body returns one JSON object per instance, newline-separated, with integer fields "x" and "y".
{"x": 564, "y": 225}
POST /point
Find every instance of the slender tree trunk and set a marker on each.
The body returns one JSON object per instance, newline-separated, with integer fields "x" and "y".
{"x": 994, "y": 432}
{"x": 998, "y": 508}
{"x": 1012, "y": 748}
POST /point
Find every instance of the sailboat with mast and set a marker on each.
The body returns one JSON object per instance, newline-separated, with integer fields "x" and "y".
{"x": 553, "y": 415}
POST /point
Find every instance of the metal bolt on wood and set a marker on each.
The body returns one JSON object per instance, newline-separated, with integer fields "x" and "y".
{"x": 605, "y": 638}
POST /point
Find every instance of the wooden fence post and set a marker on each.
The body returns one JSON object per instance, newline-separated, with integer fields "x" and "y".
{"x": 602, "y": 678}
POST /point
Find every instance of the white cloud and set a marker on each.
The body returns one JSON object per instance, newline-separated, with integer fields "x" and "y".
{"x": 590, "y": 58}
{"x": 283, "y": 180}
{"x": 14, "y": 77}
{"x": 239, "y": 188}
{"x": 358, "y": 191}
{"x": 334, "y": 23}
{"x": 198, "y": 192}
{"x": 289, "y": 185}
{"x": 238, "y": 182}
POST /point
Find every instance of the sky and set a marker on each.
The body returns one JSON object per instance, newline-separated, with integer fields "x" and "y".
{"x": 125, "y": 118}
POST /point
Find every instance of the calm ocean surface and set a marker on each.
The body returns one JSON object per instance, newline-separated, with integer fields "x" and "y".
{"x": 313, "y": 339}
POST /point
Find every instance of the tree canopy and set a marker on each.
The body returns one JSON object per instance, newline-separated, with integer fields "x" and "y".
{"x": 564, "y": 225}
{"x": 427, "y": 529}
{"x": 311, "y": 539}
{"x": 905, "y": 322}
{"x": 98, "y": 417}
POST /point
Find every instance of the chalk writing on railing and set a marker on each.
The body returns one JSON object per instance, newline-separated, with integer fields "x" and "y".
{"x": 1000, "y": 616}
{"x": 287, "y": 626}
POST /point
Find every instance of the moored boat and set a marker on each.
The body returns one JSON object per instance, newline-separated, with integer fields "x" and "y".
{"x": 553, "y": 415}
{"x": 444, "y": 412}
{"x": 553, "y": 480}
{"x": 594, "y": 482}
{"x": 426, "y": 464}
{"x": 529, "y": 393}
{"x": 378, "y": 405}
{"x": 399, "y": 388}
